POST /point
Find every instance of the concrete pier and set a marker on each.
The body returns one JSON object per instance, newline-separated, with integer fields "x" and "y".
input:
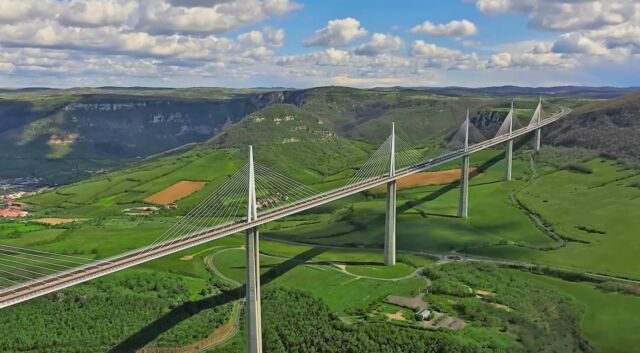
{"x": 463, "y": 208}
{"x": 509, "y": 160}
{"x": 537, "y": 139}
{"x": 390, "y": 226}
{"x": 390, "y": 221}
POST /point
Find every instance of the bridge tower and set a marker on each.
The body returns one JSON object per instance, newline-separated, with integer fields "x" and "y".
{"x": 463, "y": 209}
{"x": 390, "y": 221}
{"x": 538, "y": 120}
{"x": 254, "y": 322}
{"x": 509, "y": 151}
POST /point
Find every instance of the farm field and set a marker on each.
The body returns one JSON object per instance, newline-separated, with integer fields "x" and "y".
{"x": 433, "y": 178}
{"x": 175, "y": 192}
{"x": 585, "y": 207}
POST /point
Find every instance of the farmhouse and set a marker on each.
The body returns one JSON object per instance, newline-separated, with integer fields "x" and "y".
{"x": 13, "y": 213}
{"x": 424, "y": 314}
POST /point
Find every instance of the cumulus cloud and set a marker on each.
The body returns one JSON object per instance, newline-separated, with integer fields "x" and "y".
{"x": 97, "y": 13}
{"x": 456, "y": 29}
{"x": 431, "y": 51}
{"x": 251, "y": 38}
{"x": 338, "y": 32}
{"x": 576, "y": 43}
{"x": 564, "y": 15}
{"x": 380, "y": 43}
{"x": 530, "y": 55}
{"x": 275, "y": 36}
{"x": 158, "y": 16}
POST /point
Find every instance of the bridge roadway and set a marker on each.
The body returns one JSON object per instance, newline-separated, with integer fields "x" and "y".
{"x": 42, "y": 286}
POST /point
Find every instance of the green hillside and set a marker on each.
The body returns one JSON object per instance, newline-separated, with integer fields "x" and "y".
{"x": 610, "y": 128}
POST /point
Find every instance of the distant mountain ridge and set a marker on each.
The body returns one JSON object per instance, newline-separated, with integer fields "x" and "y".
{"x": 561, "y": 91}
{"x": 506, "y": 90}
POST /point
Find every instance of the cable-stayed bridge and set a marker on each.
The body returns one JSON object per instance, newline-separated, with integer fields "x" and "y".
{"x": 255, "y": 195}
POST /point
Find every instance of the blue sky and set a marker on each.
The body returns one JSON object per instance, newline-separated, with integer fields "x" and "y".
{"x": 297, "y": 43}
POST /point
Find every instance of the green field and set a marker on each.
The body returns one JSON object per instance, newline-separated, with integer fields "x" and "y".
{"x": 611, "y": 321}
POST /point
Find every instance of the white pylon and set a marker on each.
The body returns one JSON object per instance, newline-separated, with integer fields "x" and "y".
{"x": 538, "y": 134}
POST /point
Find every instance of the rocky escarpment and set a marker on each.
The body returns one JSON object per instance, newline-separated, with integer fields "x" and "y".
{"x": 84, "y": 131}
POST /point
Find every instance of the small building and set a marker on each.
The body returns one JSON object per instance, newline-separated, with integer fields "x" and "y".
{"x": 13, "y": 213}
{"x": 19, "y": 205}
{"x": 424, "y": 314}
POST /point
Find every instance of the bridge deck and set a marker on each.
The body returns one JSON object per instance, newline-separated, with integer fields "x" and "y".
{"x": 41, "y": 286}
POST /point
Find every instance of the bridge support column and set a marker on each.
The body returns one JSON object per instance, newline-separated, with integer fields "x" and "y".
{"x": 254, "y": 316}
{"x": 509, "y": 160}
{"x": 537, "y": 139}
{"x": 254, "y": 322}
{"x": 390, "y": 222}
{"x": 390, "y": 226}
{"x": 463, "y": 209}
{"x": 509, "y": 152}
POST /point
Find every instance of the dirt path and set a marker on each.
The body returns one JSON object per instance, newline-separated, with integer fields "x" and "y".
{"x": 559, "y": 240}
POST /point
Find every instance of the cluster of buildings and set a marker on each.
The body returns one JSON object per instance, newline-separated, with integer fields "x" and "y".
{"x": 19, "y": 183}
{"x": 267, "y": 202}
{"x": 10, "y": 208}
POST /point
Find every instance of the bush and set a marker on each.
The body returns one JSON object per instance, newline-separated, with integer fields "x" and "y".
{"x": 579, "y": 168}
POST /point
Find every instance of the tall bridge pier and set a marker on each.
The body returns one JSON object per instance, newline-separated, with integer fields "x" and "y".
{"x": 390, "y": 220}
{"x": 463, "y": 208}
{"x": 509, "y": 150}
{"x": 254, "y": 315}
{"x": 537, "y": 118}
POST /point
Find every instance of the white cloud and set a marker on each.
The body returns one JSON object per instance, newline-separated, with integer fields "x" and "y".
{"x": 500, "y": 60}
{"x": 251, "y": 38}
{"x": 338, "y": 32}
{"x": 456, "y": 29}
{"x": 275, "y": 36}
{"x": 432, "y": 51}
{"x": 530, "y": 55}
{"x": 565, "y": 15}
{"x": 94, "y": 13}
{"x": 380, "y": 43}
{"x": 573, "y": 43}
{"x": 158, "y": 16}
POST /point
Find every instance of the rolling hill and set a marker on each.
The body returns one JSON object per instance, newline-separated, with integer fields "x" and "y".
{"x": 611, "y": 128}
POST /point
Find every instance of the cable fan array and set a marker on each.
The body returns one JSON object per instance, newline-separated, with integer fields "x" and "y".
{"x": 19, "y": 265}
{"x": 511, "y": 123}
{"x": 228, "y": 203}
{"x": 457, "y": 141}
{"x": 536, "y": 118}
{"x": 379, "y": 164}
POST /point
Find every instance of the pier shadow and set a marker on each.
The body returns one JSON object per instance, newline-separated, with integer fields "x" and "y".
{"x": 455, "y": 184}
{"x": 187, "y": 310}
